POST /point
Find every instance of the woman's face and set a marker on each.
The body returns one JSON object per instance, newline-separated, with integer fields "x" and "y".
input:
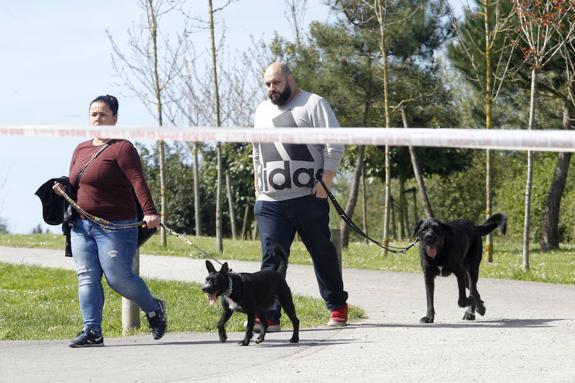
{"x": 100, "y": 114}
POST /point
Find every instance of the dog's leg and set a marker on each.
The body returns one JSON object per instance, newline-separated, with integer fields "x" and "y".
{"x": 263, "y": 328}
{"x": 429, "y": 287}
{"x": 473, "y": 277}
{"x": 477, "y": 302}
{"x": 463, "y": 300}
{"x": 286, "y": 301}
{"x": 249, "y": 329}
{"x": 222, "y": 324}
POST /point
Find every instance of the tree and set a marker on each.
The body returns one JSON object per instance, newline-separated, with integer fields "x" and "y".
{"x": 483, "y": 52}
{"x": 3, "y": 226}
{"x": 148, "y": 70}
{"x": 550, "y": 236}
{"x": 544, "y": 29}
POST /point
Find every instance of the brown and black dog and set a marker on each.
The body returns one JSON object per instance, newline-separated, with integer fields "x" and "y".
{"x": 454, "y": 247}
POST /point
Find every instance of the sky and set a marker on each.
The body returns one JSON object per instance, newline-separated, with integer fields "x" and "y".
{"x": 56, "y": 57}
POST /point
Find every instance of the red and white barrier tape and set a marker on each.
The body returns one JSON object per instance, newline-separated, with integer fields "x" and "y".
{"x": 538, "y": 140}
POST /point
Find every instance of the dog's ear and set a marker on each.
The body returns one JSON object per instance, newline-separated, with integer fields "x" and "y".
{"x": 224, "y": 268}
{"x": 210, "y": 267}
{"x": 417, "y": 228}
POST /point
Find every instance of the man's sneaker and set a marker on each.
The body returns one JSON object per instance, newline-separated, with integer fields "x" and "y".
{"x": 87, "y": 338}
{"x": 273, "y": 326}
{"x": 157, "y": 320}
{"x": 338, "y": 317}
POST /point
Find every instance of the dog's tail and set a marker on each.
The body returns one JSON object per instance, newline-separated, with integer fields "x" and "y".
{"x": 492, "y": 223}
{"x": 280, "y": 253}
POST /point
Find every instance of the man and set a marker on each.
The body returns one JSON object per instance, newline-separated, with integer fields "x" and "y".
{"x": 288, "y": 197}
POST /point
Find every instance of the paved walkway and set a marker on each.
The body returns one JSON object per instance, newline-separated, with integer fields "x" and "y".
{"x": 527, "y": 335}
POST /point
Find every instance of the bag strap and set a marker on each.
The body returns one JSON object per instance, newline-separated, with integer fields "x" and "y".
{"x": 102, "y": 148}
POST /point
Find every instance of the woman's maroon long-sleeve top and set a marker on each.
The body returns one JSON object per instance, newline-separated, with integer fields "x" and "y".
{"x": 105, "y": 188}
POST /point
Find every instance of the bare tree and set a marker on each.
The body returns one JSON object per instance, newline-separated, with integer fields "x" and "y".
{"x": 148, "y": 70}
{"x": 490, "y": 76}
{"x": 238, "y": 86}
{"x": 296, "y": 15}
{"x": 545, "y": 28}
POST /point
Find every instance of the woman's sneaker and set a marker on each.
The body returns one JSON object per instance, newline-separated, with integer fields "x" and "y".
{"x": 157, "y": 320}
{"x": 87, "y": 338}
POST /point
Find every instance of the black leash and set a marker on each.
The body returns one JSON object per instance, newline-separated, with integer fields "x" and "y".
{"x": 351, "y": 224}
{"x": 105, "y": 224}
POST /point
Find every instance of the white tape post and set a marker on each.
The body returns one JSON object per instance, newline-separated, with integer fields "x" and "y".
{"x": 500, "y": 139}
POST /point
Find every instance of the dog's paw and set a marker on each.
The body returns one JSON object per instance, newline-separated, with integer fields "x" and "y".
{"x": 223, "y": 339}
{"x": 244, "y": 342}
{"x": 468, "y": 316}
{"x": 480, "y": 310}
{"x": 426, "y": 320}
{"x": 294, "y": 339}
{"x": 259, "y": 339}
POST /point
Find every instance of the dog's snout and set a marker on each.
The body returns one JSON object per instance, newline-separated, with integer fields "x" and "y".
{"x": 429, "y": 236}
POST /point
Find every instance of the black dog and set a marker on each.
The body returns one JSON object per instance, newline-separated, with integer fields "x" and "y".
{"x": 250, "y": 293}
{"x": 455, "y": 247}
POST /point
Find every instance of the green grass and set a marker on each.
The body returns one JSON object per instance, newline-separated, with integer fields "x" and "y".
{"x": 552, "y": 267}
{"x": 42, "y": 303}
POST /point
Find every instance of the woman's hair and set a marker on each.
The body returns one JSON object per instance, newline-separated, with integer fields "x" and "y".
{"x": 111, "y": 101}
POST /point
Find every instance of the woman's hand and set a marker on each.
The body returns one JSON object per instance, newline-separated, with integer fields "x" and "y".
{"x": 151, "y": 221}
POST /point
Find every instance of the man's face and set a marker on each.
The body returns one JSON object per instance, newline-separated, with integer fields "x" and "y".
{"x": 277, "y": 86}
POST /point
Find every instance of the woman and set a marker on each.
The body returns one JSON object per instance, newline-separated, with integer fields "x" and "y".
{"x": 109, "y": 187}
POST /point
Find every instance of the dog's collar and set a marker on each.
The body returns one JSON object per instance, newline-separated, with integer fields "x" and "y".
{"x": 228, "y": 292}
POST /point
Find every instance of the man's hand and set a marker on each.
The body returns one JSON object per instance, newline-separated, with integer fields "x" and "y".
{"x": 318, "y": 190}
{"x": 151, "y": 221}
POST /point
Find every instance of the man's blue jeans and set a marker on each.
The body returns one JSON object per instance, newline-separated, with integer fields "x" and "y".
{"x": 278, "y": 221}
{"x": 100, "y": 252}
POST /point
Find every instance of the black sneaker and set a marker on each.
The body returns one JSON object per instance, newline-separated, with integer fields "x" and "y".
{"x": 157, "y": 320}
{"x": 87, "y": 338}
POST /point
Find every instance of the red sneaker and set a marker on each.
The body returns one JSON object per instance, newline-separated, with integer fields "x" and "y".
{"x": 338, "y": 317}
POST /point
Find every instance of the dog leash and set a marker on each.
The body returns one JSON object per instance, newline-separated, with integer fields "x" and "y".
{"x": 351, "y": 224}
{"x": 105, "y": 224}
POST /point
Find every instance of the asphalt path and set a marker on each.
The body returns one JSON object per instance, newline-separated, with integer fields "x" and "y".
{"x": 527, "y": 335}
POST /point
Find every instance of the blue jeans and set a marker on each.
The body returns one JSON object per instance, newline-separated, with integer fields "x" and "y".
{"x": 100, "y": 252}
{"x": 278, "y": 222}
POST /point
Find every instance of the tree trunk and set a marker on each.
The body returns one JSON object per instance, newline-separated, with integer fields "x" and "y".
{"x": 197, "y": 196}
{"x": 403, "y": 219}
{"x": 153, "y": 28}
{"x": 488, "y": 103}
{"x": 417, "y": 173}
{"x": 219, "y": 224}
{"x": 387, "y": 189}
{"x": 364, "y": 203}
{"x": 353, "y": 193}
{"x": 550, "y": 233}
{"x": 245, "y": 222}
{"x": 528, "y": 183}
{"x": 231, "y": 205}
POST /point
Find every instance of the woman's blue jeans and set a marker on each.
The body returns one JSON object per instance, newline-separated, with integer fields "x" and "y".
{"x": 100, "y": 252}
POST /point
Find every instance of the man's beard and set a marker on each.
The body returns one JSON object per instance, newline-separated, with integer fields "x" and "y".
{"x": 280, "y": 99}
